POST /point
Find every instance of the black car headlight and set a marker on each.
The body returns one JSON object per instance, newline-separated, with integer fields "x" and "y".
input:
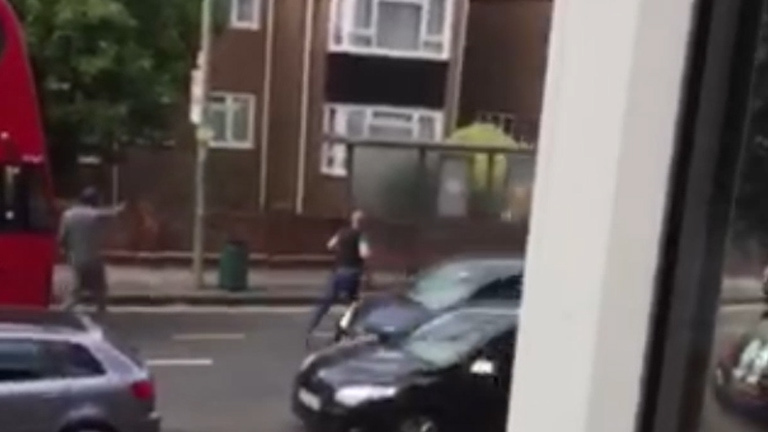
{"x": 353, "y": 396}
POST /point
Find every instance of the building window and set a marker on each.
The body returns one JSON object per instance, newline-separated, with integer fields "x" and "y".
{"x": 245, "y": 14}
{"x": 398, "y": 28}
{"x": 230, "y": 116}
{"x": 504, "y": 121}
{"x": 358, "y": 121}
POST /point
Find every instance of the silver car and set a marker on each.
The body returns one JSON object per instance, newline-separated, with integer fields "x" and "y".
{"x": 61, "y": 372}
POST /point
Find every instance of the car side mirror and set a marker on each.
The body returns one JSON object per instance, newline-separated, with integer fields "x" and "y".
{"x": 483, "y": 367}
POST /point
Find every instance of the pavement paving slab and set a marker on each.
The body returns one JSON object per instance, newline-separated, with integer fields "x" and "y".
{"x": 141, "y": 286}
{"x": 166, "y": 286}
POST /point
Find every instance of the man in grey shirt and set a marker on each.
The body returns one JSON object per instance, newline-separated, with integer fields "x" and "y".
{"x": 80, "y": 235}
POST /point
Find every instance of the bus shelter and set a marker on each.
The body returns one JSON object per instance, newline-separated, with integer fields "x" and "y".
{"x": 428, "y": 200}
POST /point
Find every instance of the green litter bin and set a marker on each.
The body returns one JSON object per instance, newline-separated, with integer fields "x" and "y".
{"x": 233, "y": 267}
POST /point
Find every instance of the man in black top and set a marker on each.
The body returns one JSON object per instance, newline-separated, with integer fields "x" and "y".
{"x": 352, "y": 250}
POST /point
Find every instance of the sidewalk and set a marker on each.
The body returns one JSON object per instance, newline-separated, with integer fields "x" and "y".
{"x": 140, "y": 286}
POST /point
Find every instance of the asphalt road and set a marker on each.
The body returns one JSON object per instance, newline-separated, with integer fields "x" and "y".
{"x": 220, "y": 370}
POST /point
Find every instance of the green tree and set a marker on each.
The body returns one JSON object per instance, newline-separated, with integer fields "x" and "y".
{"x": 109, "y": 71}
{"x": 489, "y": 191}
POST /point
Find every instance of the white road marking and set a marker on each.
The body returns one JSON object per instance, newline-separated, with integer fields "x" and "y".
{"x": 208, "y": 336}
{"x": 232, "y": 310}
{"x": 180, "y": 362}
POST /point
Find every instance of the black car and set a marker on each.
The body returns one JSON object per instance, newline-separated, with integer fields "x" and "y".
{"x": 740, "y": 376}
{"x": 452, "y": 373}
{"x": 445, "y": 286}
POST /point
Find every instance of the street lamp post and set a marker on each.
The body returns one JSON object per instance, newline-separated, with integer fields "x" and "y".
{"x": 199, "y": 98}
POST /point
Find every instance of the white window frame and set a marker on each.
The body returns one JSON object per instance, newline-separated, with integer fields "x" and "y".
{"x": 228, "y": 102}
{"x": 253, "y": 24}
{"x": 342, "y": 30}
{"x": 335, "y": 121}
{"x": 601, "y": 211}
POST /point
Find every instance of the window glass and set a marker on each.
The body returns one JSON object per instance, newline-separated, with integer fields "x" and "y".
{"x": 217, "y": 117}
{"x": 230, "y": 119}
{"x": 447, "y": 284}
{"x": 24, "y": 202}
{"x": 426, "y": 128}
{"x": 436, "y": 20}
{"x": 363, "y": 14}
{"x": 734, "y": 390}
{"x": 355, "y": 123}
{"x": 507, "y": 288}
{"x": 21, "y": 360}
{"x": 390, "y": 131}
{"x": 246, "y": 11}
{"x": 399, "y": 26}
{"x": 361, "y": 40}
{"x": 452, "y": 337}
{"x": 392, "y": 117}
{"x": 74, "y": 361}
{"x": 240, "y": 119}
{"x": 433, "y": 46}
{"x": 394, "y": 26}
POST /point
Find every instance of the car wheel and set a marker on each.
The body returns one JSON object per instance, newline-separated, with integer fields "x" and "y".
{"x": 418, "y": 423}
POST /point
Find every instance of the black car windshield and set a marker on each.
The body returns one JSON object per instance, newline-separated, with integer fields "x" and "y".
{"x": 448, "y": 284}
{"x": 452, "y": 337}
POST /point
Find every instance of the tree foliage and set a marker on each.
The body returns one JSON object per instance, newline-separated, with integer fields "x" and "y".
{"x": 109, "y": 71}
{"x": 486, "y": 135}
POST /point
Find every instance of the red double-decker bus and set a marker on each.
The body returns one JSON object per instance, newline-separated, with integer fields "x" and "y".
{"x": 27, "y": 218}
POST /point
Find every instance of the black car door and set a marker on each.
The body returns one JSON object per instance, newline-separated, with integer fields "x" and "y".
{"x": 508, "y": 287}
{"x": 492, "y": 370}
{"x": 476, "y": 392}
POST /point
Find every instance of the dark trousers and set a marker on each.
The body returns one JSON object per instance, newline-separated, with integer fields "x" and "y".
{"x": 344, "y": 286}
{"x": 91, "y": 284}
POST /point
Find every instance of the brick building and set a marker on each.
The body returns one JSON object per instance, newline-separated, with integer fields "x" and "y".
{"x": 285, "y": 72}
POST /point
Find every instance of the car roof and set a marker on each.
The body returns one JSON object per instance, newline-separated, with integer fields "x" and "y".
{"x": 516, "y": 264}
{"x": 495, "y": 307}
{"x": 499, "y": 308}
{"x": 501, "y": 312}
{"x": 43, "y": 322}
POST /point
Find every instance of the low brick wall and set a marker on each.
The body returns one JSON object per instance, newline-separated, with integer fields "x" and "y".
{"x": 286, "y": 240}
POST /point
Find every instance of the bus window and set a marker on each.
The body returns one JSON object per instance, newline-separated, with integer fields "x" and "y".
{"x": 24, "y": 205}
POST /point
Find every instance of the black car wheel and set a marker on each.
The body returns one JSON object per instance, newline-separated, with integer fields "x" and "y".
{"x": 418, "y": 423}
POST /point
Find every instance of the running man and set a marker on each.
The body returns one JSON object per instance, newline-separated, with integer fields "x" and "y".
{"x": 351, "y": 249}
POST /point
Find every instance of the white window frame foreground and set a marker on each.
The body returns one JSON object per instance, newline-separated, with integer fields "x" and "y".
{"x": 229, "y": 108}
{"x": 333, "y": 156}
{"x": 236, "y": 22}
{"x": 343, "y": 30}
{"x": 613, "y": 93}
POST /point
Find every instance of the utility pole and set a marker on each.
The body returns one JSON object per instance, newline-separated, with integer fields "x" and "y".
{"x": 200, "y": 80}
